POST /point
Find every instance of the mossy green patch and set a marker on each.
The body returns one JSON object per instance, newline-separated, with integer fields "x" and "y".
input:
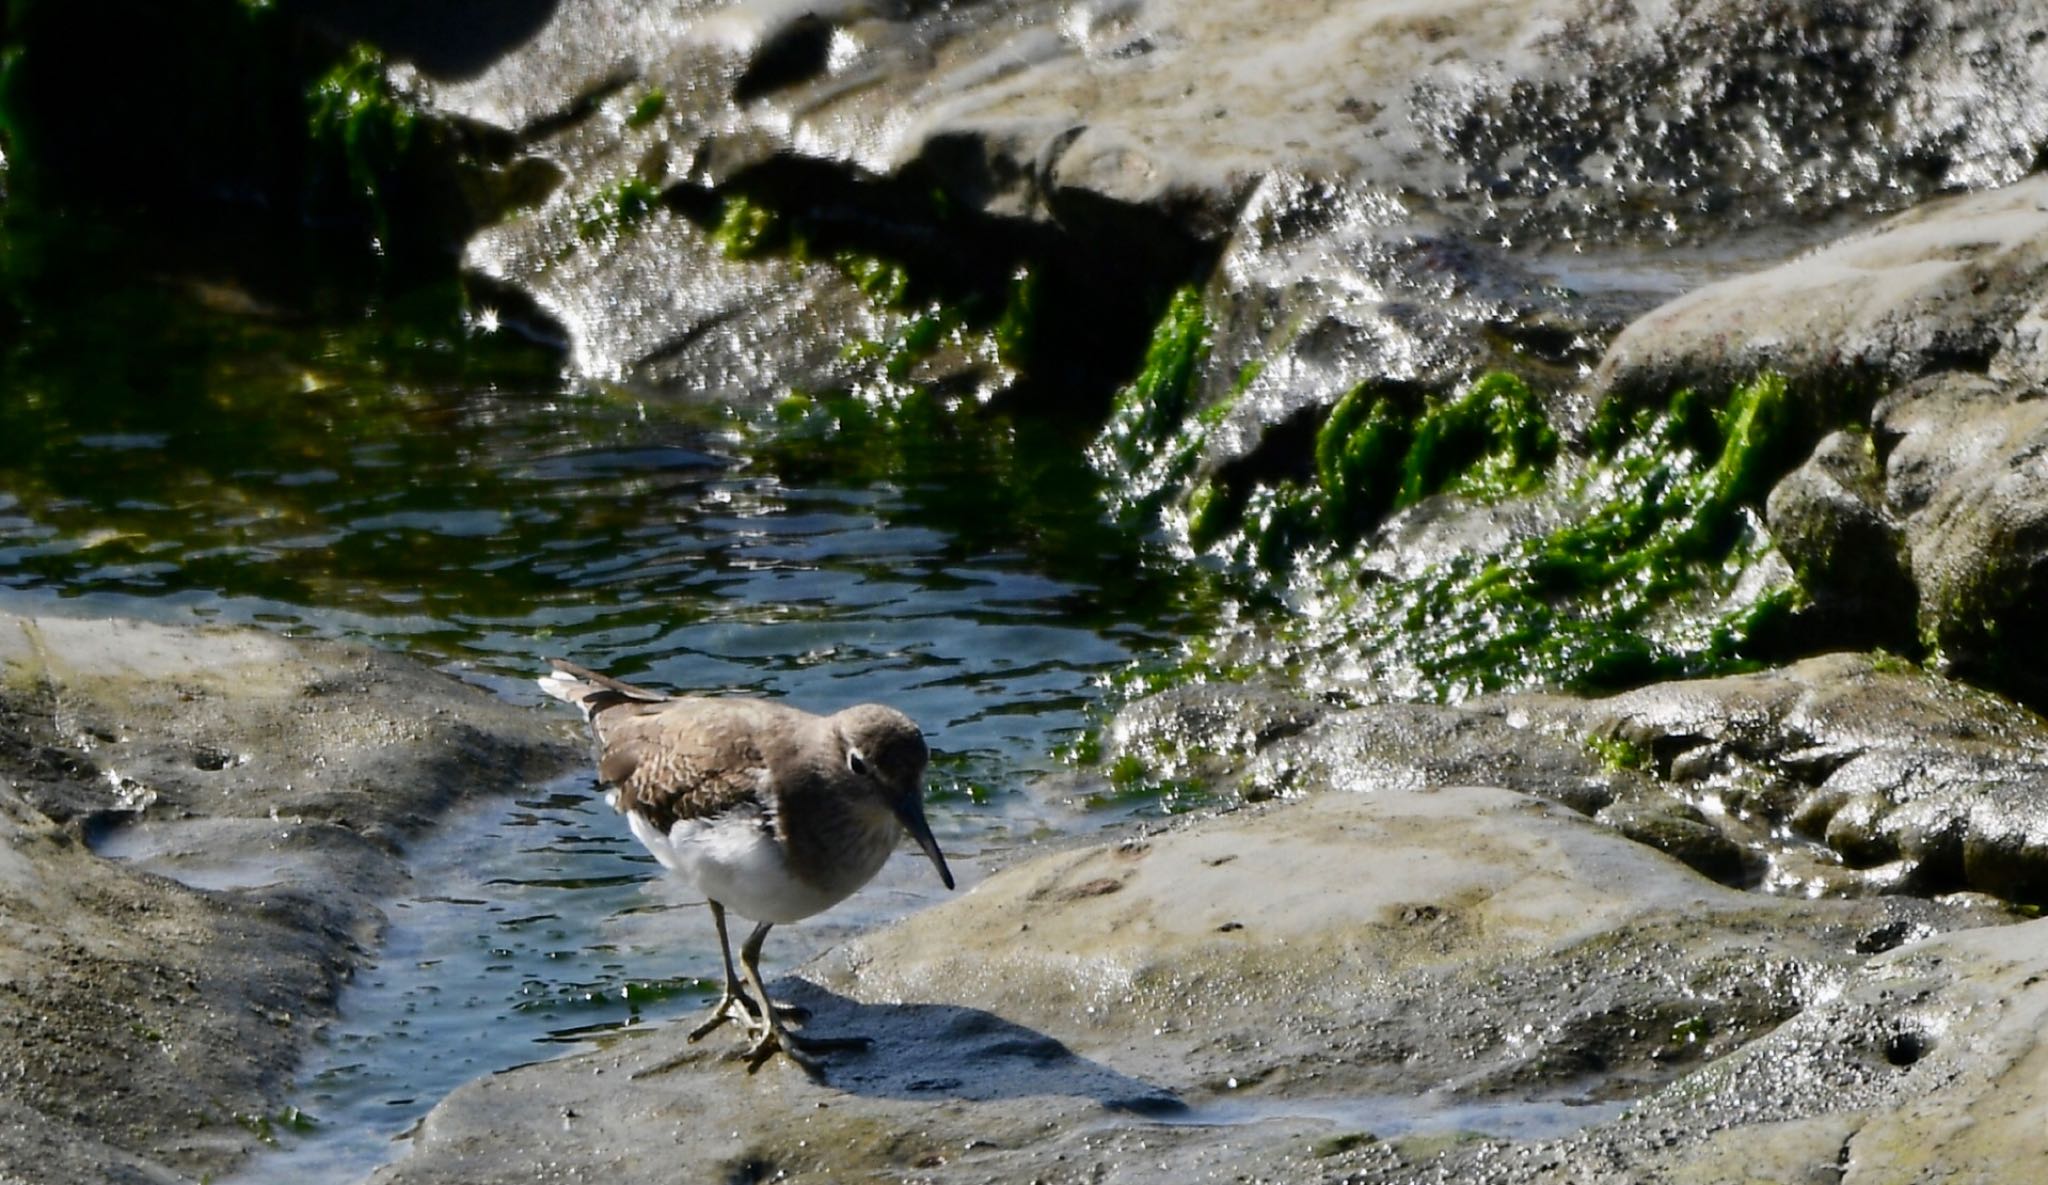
{"x": 617, "y": 207}
{"x": 1619, "y": 753}
{"x": 1359, "y": 453}
{"x": 1337, "y": 1145}
{"x": 288, "y": 1119}
{"x": 1148, "y": 410}
{"x": 1016, "y": 327}
{"x": 649, "y": 106}
{"x": 881, "y": 280}
{"x": 1374, "y": 454}
{"x": 354, "y": 117}
{"x": 1138, "y": 783}
{"x": 748, "y": 229}
{"x": 1492, "y": 440}
{"x": 1642, "y": 583}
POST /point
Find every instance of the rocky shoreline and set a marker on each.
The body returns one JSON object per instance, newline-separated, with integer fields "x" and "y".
{"x": 1444, "y": 953}
{"x": 158, "y": 1006}
{"x": 1433, "y": 964}
{"x": 1423, "y": 291}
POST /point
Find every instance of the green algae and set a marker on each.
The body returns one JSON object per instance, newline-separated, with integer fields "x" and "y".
{"x": 748, "y": 229}
{"x": 1154, "y": 782}
{"x": 1493, "y": 440}
{"x": 353, "y": 117}
{"x": 1016, "y": 327}
{"x": 649, "y": 106}
{"x": 1373, "y": 455}
{"x": 617, "y": 208}
{"x": 1337, "y": 1145}
{"x": 1148, "y": 410}
{"x": 286, "y": 1120}
{"x": 1644, "y": 581}
{"x": 920, "y": 318}
{"x": 884, "y": 281}
{"x": 1619, "y": 753}
{"x": 1644, "y": 560}
{"x": 1360, "y": 453}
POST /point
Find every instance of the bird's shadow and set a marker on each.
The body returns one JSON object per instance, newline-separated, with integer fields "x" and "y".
{"x": 946, "y": 1051}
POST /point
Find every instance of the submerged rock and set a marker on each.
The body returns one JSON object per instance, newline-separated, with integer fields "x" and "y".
{"x": 156, "y": 1006}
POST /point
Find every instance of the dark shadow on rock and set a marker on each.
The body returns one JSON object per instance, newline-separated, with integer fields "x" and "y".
{"x": 944, "y": 1051}
{"x": 447, "y": 39}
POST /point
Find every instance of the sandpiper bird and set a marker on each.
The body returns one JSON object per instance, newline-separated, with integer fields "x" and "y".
{"x": 769, "y": 811}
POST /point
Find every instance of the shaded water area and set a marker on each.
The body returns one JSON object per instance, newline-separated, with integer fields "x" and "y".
{"x": 445, "y": 493}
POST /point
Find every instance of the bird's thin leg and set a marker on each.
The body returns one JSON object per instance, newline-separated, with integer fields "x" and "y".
{"x": 735, "y": 1004}
{"x": 772, "y": 1036}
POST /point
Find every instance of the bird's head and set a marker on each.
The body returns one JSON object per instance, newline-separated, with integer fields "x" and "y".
{"x": 887, "y": 753}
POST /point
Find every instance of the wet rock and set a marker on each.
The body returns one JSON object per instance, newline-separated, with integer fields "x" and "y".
{"x": 1024, "y": 107}
{"x": 1395, "y": 202}
{"x": 1830, "y": 519}
{"x": 1680, "y": 830}
{"x": 1510, "y": 742}
{"x": 1924, "y": 1065}
{"x": 1844, "y": 774}
{"x": 655, "y": 300}
{"x": 258, "y": 793}
{"x": 1966, "y": 473}
{"x": 1941, "y": 287}
{"x": 1356, "y": 980}
{"x": 1322, "y": 288}
{"x": 1899, "y": 773}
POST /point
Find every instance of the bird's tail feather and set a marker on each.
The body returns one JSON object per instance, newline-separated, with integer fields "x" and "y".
{"x": 590, "y": 691}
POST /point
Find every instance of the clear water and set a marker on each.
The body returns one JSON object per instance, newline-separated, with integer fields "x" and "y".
{"x": 537, "y": 927}
{"x": 454, "y": 499}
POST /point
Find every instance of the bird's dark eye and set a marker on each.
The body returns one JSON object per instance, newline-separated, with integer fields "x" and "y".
{"x": 856, "y": 763}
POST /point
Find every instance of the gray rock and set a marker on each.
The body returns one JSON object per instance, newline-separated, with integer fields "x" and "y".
{"x": 1395, "y": 201}
{"x": 1140, "y": 103}
{"x": 1384, "y": 983}
{"x": 1830, "y": 520}
{"x": 258, "y": 793}
{"x": 1841, "y": 774}
{"x": 656, "y": 301}
{"x": 1966, "y": 474}
{"x": 1680, "y": 830}
{"x": 1941, "y": 287}
{"x": 1512, "y": 742}
{"x": 1910, "y": 781}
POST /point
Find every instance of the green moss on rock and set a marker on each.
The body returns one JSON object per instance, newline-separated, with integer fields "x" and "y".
{"x": 747, "y": 229}
{"x": 618, "y": 207}
{"x": 1359, "y": 455}
{"x": 1640, "y": 585}
{"x": 647, "y": 108}
{"x": 1148, "y": 410}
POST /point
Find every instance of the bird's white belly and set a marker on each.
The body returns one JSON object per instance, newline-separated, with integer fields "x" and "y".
{"x": 737, "y": 863}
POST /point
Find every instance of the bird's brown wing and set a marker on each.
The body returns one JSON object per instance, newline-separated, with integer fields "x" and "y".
{"x": 687, "y": 759}
{"x": 598, "y": 695}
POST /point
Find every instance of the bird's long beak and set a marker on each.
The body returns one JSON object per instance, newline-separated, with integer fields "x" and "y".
{"x": 910, "y": 812}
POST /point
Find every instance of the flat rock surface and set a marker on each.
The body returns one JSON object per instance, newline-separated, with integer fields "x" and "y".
{"x": 1355, "y": 975}
{"x": 260, "y": 793}
{"x": 1943, "y": 286}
